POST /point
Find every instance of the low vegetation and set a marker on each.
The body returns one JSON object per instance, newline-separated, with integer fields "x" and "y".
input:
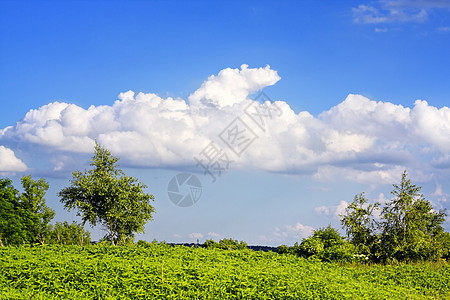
{"x": 160, "y": 271}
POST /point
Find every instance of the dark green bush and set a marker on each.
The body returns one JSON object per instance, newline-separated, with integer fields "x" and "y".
{"x": 226, "y": 244}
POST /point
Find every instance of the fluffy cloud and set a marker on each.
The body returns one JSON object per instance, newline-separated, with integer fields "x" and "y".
{"x": 357, "y": 140}
{"x": 9, "y": 162}
{"x": 232, "y": 86}
{"x": 300, "y": 230}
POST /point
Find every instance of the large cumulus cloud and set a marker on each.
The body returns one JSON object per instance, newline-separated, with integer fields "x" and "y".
{"x": 373, "y": 139}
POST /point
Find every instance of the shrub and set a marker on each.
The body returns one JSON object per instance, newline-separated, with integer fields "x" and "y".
{"x": 226, "y": 244}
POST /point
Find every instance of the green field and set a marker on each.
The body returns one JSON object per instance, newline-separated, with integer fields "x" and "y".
{"x": 164, "y": 272}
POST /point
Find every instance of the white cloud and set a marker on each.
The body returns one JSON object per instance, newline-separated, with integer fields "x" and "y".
{"x": 232, "y": 86}
{"x": 357, "y": 140}
{"x": 9, "y": 162}
{"x": 288, "y": 234}
{"x": 300, "y": 230}
{"x": 389, "y": 11}
{"x": 196, "y": 235}
{"x": 333, "y": 211}
{"x": 382, "y": 176}
{"x": 440, "y": 195}
{"x": 177, "y": 236}
{"x": 213, "y": 234}
{"x": 443, "y": 29}
{"x": 381, "y": 199}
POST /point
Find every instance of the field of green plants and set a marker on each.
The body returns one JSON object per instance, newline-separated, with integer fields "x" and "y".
{"x": 159, "y": 271}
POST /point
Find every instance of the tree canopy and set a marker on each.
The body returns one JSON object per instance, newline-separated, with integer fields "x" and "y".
{"x": 24, "y": 217}
{"x": 105, "y": 195}
{"x": 408, "y": 228}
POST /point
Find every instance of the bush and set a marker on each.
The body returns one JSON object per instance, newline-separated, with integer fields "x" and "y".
{"x": 283, "y": 249}
{"x": 310, "y": 246}
{"x": 344, "y": 252}
{"x": 324, "y": 244}
{"x": 143, "y": 244}
{"x": 226, "y": 244}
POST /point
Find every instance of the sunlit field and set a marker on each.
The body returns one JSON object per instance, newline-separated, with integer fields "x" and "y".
{"x": 159, "y": 271}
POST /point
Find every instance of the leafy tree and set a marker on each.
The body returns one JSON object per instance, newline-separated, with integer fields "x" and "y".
{"x": 105, "y": 195}
{"x": 409, "y": 228}
{"x": 24, "y": 217}
{"x": 36, "y": 215}
{"x": 70, "y": 234}
{"x": 360, "y": 225}
{"x": 444, "y": 241}
{"x": 410, "y": 225}
{"x": 12, "y": 230}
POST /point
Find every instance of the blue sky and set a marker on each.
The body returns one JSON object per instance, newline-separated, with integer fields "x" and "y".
{"x": 345, "y": 74}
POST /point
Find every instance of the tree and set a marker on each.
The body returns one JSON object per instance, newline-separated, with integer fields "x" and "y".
{"x": 24, "y": 217}
{"x": 106, "y": 196}
{"x": 36, "y": 215}
{"x": 70, "y": 234}
{"x": 360, "y": 225}
{"x": 410, "y": 226}
{"x": 12, "y": 230}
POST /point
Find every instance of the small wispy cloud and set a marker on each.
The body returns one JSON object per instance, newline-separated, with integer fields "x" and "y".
{"x": 381, "y": 30}
{"x": 287, "y": 234}
{"x": 443, "y": 29}
{"x": 402, "y": 11}
{"x": 213, "y": 234}
{"x": 333, "y": 211}
{"x": 439, "y": 194}
{"x": 196, "y": 235}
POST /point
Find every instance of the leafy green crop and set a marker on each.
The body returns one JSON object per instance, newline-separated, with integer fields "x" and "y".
{"x": 160, "y": 271}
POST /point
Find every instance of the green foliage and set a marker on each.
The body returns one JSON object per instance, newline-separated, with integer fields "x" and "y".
{"x": 409, "y": 229}
{"x": 444, "y": 241}
{"x": 37, "y": 215}
{"x": 283, "y": 249}
{"x": 226, "y": 244}
{"x": 105, "y": 195}
{"x": 69, "y": 234}
{"x": 162, "y": 272}
{"x": 324, "y": 244}
{"x": 12, "y": 230}
{"x": 359, "y": 224}
{"x": 410, "y": 225}
{"x": 24, "y": 217}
